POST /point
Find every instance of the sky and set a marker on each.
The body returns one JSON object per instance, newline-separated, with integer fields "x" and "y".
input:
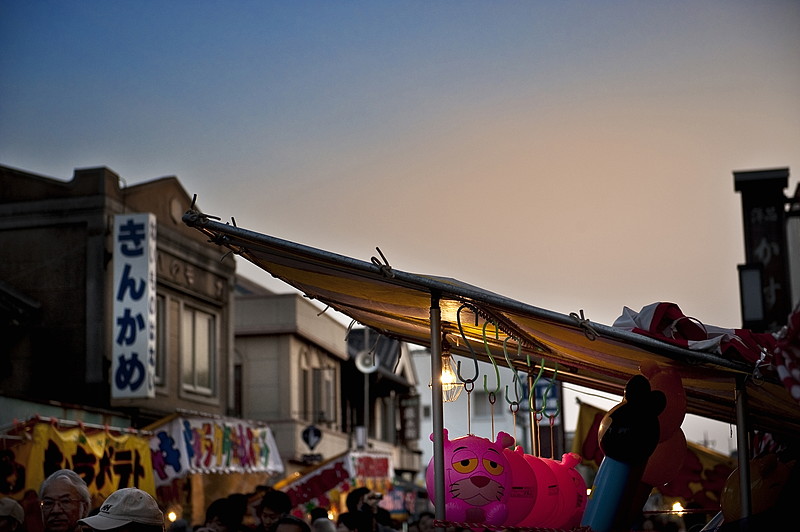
{"x": 571, "y": 155}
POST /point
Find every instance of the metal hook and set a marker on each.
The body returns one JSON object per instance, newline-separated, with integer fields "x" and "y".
{"x": 531, "y": 395}
{"x": 516, "y": 375}
{"x": 494, "y": 364}
{"x": 547, "y": 392}
{"x": 469, "y": 346}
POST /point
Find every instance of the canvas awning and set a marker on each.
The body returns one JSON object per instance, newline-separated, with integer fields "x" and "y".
{"x": 478, "y": 323}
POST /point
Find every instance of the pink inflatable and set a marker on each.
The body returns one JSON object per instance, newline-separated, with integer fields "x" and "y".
{"x": 523, "y": 487}
{"x": 547, "y": 495}
{"x": 477, "y": 475}
{"x": 572, "y": 491}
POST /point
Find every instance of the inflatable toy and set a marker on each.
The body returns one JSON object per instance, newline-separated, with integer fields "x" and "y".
{"x": 477, "y": 475}
{"x": 628, "y": 435}
{"x": 524, "y": 487}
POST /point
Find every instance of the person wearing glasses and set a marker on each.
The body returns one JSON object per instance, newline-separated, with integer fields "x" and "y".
{"x": 64, "y": 499}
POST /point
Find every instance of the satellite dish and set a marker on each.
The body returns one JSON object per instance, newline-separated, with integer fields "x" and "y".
{"x": 367, "y": 361}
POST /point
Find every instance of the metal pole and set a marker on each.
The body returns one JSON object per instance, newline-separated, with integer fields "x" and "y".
{"x": 366, "y": 407}
{"x": 743, "y": 447}
{"x": 532, "y": 416}
{"x": 437, "y": 407}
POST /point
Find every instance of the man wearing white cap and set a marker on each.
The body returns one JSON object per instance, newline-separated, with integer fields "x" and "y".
{"x": 11, "y": 515}
{"x": 127, "y": 510}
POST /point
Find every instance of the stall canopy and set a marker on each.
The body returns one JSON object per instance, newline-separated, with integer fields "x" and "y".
{"x": 483, "y": 325}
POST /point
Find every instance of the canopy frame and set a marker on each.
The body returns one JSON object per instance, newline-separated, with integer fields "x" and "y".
{"x": 422, "y": 309}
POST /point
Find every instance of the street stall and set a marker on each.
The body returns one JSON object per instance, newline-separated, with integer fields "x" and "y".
{"x": 107, "y": 458}
{"x": 199, "y": 458}
{"x": 735, "y": 385}
{"x": 327, "y": 484}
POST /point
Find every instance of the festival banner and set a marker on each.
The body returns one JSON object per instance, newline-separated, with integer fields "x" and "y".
{"x": 585, "y": 441}
{"x": 323, "y": 485}
{"x": 104, "y": 460}
{"x": 186, "y": 445}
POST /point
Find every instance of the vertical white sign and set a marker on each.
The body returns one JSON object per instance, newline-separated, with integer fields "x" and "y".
{"x": 133, "y": 367}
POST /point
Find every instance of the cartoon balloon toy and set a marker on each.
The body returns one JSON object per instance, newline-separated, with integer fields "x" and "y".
{"x": 476, "y": 478}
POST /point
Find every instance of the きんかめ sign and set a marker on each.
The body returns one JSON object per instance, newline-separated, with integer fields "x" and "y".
{"x": 133, "y": 365}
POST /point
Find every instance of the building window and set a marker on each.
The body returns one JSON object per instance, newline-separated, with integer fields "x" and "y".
{"x": 318, "y": 401}
{"x": 198, "y": 351}
{"x": 324, "y": 390}
{"x": 482, "y": 408}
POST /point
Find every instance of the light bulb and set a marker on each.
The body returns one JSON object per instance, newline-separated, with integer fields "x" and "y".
{"x": 449, "y": 378}
{"x": 451, "y": 385}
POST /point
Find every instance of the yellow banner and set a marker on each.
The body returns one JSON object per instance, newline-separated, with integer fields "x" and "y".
{"x": 105, "y": 461}
{"x": 585, "y": 442}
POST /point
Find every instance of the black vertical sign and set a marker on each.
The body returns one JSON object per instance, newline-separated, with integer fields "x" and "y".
{"x": 764, "y": 218}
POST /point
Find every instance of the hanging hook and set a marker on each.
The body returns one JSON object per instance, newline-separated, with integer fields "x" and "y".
{"x": 511, "y": 366}
{"x": 494, "y": 364}
{"x": 532, "y": 395}
{"x": 469, "y": 346}
{"x": 547, "y": 391}
{"x": 552, "y": 382}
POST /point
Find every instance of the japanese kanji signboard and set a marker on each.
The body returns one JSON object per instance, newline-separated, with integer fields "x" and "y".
{"x": 106, "y": 461}
{"x": 133, "y": 364}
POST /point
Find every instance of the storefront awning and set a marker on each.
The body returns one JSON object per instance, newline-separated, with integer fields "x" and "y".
{"x": 481, "y": 324}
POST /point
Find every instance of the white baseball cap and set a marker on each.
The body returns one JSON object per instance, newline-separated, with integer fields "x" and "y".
{"x": 11, "y": 508}
{"x": 126, "y": 505}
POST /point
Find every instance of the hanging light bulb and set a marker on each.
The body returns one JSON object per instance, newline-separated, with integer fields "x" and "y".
{"x": 451, "y": 385}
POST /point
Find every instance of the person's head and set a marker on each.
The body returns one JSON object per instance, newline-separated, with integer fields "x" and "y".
{"x": 219, "y": 516}
{"x": 317, "y": 513}
{"x": 323, "y": 524}
{"x": 127, "y": 510}
{"x": 362, "y": 499}
{"x": 289, "y": 523}
{"x": 425, "y": 521}
{"x": 274, "y": 504}
{"x": 11, "y": 515}
{"x": 64, "y": 499}
{"x": 355, "y": 522}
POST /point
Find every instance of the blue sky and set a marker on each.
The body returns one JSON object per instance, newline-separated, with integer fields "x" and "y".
{"x": 571, "y": 155}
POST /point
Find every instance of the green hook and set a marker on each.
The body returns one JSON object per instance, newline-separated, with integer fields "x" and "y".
{"x": 511, "y": 366}
{"x": 531, "y": 394}
{"x": 547, "y": 392}
{"x": 494, "y": 364}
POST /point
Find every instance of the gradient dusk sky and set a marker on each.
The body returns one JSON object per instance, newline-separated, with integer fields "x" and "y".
{"x": 570, "y": 155}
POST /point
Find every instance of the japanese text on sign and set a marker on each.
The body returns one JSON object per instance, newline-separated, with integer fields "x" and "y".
{"x": 133, "y": 364}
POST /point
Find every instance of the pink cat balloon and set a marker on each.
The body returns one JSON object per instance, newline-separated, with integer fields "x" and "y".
{"x": 476, "y": 476}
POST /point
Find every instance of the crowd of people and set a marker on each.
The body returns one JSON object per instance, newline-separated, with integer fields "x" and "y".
{"x": 65, "y": 505}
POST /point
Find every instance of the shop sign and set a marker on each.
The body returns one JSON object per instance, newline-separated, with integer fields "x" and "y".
{"x": 324, "y": 483}
{"x": 133, "y": 359}
{"x": 220, "y": 445}
{"x": 104, "y": 460}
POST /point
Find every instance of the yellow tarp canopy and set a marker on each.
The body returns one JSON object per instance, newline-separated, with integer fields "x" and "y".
{"x": 478, "y": 323}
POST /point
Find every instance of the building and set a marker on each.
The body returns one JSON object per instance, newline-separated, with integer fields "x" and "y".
{"x": 57, "y": 276}
{"x": 297, "y": 369}
{"x": 229, "y": 358}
